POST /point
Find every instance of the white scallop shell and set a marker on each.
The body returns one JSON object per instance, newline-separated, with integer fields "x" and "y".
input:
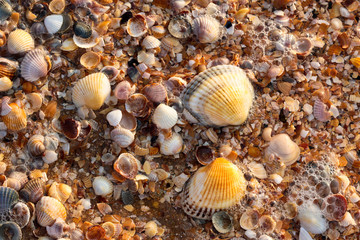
{"x": 20, "y": 41}
{"x": 48, "y": 209}
{"x": 91, "y": 91}
{"x": 207, "y": 29}
{"x": 312, "y": 219}
{"x": 171, "y": 44}
{"x": 304, "y": 235}
{"x": 123, "y": 137}
{"x": 102, "y": 186}
{"x": 164, "y": 117}
{"x": 114, "y": 117}
{"x": 219, "y": 96}
{"x": 53, "y": 23}
{"x": 146, "y": 57}
{"x": 171, "y": 145}
{"x": 35, "y": 65}
{"x": 150, "y": 42}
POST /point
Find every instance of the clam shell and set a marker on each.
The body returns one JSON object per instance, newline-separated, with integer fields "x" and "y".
{"x": 123, "y": 90}
{"x": 20, "y": 176}
{"x": 267, "y": 223}
{"x": 172, "y": 145}
{"x": 312, "y": 219}
{"x": 282, "y": 147}
{"x": 158, "y": 31}
{"x": 114, "y": 117}
{"x": 91, "y": 91}
{"x": 150, "y": 42}
{"x": 155, "y": 92}
{"x": 258, "y": 170}
{"x": 126, "y": 165}
{"x": 53, "y": 23}
{"x": 16, "y": 120}
{"x": 123, "y": 137}
{"x": 304, "y": 235}
{"x": 250, "y": 219}
{"x": 12, "y": 183}
{"x": 164, "y": 117}
{"x": 20, "y": 41}
{"x": 8, "y": 67}
{"x": 5, "y": 10}
{"x": 8, "y": 197}
{"x": 5, "y": 84}
{"x": 90, "y": 60}
{"x": 57, "y": 6}
{"x": 146, "y": 57}
{"x": 219, "y": 96}
{"x": 20, "y": 214}
{"x": 137, "y": 26}
{"x": 35, "y": 65}
{"x": 207, "y": 29}
{"x": 82, "y": 30}
{"x": 171, "y": 44}
{"x": 102, "y": 186}
{"x": 214, "y": 187}
{"x": 138, "y": 105}
{"x": 48, "y": 209}
{"x": 33, "y": 190}
{"x": 180, "y": 27}
{"x": 204, "y": 155}
{"x": 60, "y": 191}
{"x": 90, "y": 42}
{"x": 222, "y": 222}
{"x": 128, "y": 121}
{"x": 10, "y": 230}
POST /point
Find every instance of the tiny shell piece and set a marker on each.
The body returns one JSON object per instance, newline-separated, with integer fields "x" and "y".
{"x": 126, "y": 165}
{"x": 48, "y": 209}
{"x": 102, "y": 186}
{"x": 123, "y": 90}
{"x": 49, "y": 156}
{"x": 35, "y": 65}
{"x": 16, "y": 120}
{"x": 20, "y": 41}
{"x": 114, "y": 117}
{"x": 158, "y": 31}
{"x": 91, "y": 91}
{"x": 151, "y": 229}
{"x": 164, "y": 117}
{"x": 207, "y": 29}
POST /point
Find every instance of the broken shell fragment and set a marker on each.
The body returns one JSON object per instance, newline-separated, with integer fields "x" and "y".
{"x": 158, "y": 31}
{"x": 150, "y": 42}
{"x": 214, "y": 187}
{"x": 36, "y": 145}
{"x": 164, "y": 117}
{"x": 207, "y": 29}
{"x": 126, "y": 165}
{"x": 321, "y": 112}
{"x": 250, "y": 219}
{"x": 282, "y": 147}
{"x": 91, "y": 91}
{"x": 137, "y": 26}
{"x": 222, "y": 222}
{"x": 35, "y": 65}
{"x": 124, "y": 90}
{"x": 102, "y": 186}
{"x": 151, "y": 229}
{"x": 48, "y": 209}
{"x": 258, "y": 170}
{"x": 303, "y": 47}
{"x": 8, "y": 67}
{"x": 219, "y": 96}
{"x": 122, "y": 136}
{"x": 16, "y": 120}
{"x": 58, "y": 229}
{"x": 90, "y": 60}
{"x": 20, "y": 41}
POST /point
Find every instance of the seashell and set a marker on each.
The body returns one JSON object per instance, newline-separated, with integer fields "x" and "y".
{"x": 218, "y": 61}
{"x": 60, "y": 191}
{"x": 179, "y": 4}
{"x": 104, "y": 208}
{"x": 122, "y": 136}
{"x": 137, "y": 26}
{"x": 250, "y": 219}
{"x": 123, "y": 90}
{"x": 8, "y": 67}
{"x": 180, "y": 27}
{"x": 111, "y": 72}
{"x": 114, "y": 117}
{"x": 95, "y": 232}
{"x": 20, "y": 214}
{"x": 355, "y": 62}
{"x": 171, "y": 44}
{"x": 82, "y": 30}
{"x": 68, "y": 45}
{"x": 311, "y": 219}
{"x": 151, "y": 229}
{"x": 267, "y": 224}
{"x": 12, "y": 183}
{"x": 8, "y": 197}
{"x": 204, "y": 155}
{"x": 48, "y": 209}
{"x": 20, "y": 41}
{"x": 91, "y": 91}
{"x": 112, "y": 229}
{"x": 147, "y": 58}
{"x": 126, "y": 165}
{"x": 57, "y": 23}
{"x": 347, "y": 220}
{"x": 5, "y": 84}
{"x": 90, "y": 60}
{"x": 57, "y": 6}
{"x": 35, "y": 65}
{"x": 164, "y": 117}
{"x": 214, "y": 187}
{"x": 35, "y": 100}
{"x": 282, "y": 147}
{"x": 10, "y": 230}
{"x": 158, "y": 31}
{"x": 90, "y": 42}
{"x": 265, "y": 237}
{"x": 303, "y": 47}
{"x": 219, "y": 96}
{"x": 49, "y": 156}
{"x": 102, "y": 186}
{"x": 5, "y": 10}
{"x": 58, "y": 229}
{"x": 352, "y": 159}
{"x": 258, "y": 170}
{"x": 304, "y": 235}
{"x": 20, "y": 176}
{"x": 16, "y": 119}
{"x": 2, "y": 38}
{"x": 150, "y": 42}
{"x": 222, "y": 222}
{"x": 207, "y": 29}
{"x": 155, "y": 92}
{"x": 128, "y": 121}
{"x": 290, "y": 210}
{"x": 33, "y": 190}
{"x": 138, "y": 105}
{"x": 321, "y": 112}
{"x": 171, "y": 145}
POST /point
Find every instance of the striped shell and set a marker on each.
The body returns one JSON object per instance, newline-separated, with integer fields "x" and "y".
{"x": 158, "y": 31}
{"x": 102, "y": 186}
{"x": 150, "y": 42}
{"x": 8, "y": 67}
{"x": 123, "y": 137}
{"x": 164, "y": 117}
{"x": 48, "y": 209}
{"x": 33, "y": 190}
{"x": 91, "y": 91}
{"x": 35, "y": 65}
{"x": 137, "y": 26}
{"x": 171, "y": 145}
{"x": 214, "y": 187}
{"x": 60, "y": 191}
{"x": 219, "y": 96}
{"x": 171, "y": 44}
{"x": 8, "y": 197}
{"x": 282, "y": 147}
{"x": 207, "y": 29}
{"x": 20, "y": 41}
{"x": 16, "y": 119}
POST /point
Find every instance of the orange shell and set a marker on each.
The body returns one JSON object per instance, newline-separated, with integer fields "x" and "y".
{"x": 16, "y": 119}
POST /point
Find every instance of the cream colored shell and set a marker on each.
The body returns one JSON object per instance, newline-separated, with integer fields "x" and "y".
{"x": 48, "y": 209}
{"x": 207, "y": 29}
{"x": 60, "y": 191}
{"x": 5, "y": 84}
{"x": 164, "y": 117}
{"x": 16, "y": 120}
{"x": 217, "y": 186}
{"x": 35, "y": 65}
{"x": 20, "y": 41}
{"x": 91, "y": 91}
{"x": 219, "y": 96}
{"x": 283, "y": 148}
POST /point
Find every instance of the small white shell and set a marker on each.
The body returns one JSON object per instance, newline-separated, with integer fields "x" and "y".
{"x": 90, "y": 42}
{"x": 207, "y": 29}
{"x": 146, "y": 57}
{"x": 35, "y": 65}
{"x": 304, "y": 235}
{"x": 5, "y": 84}
{"x": 53, "y": 23}
{"x": 114, "y": 117}
{"x": 102, "y": 186}
{"x": 123, "y": 137}
{"x": 282, "y": 147}
{"x": 312, "y": 219}
{"x": 50, "y": 156}
{"x": 20, "y": 41}
{"x": 150, "y": 42}
{"x": 257, "y": 170}
{"x": 137, "y": 26}
{"x": 171, "y": 145}
{"x": 347, "y": 220}
{"x": 164, "y": 117}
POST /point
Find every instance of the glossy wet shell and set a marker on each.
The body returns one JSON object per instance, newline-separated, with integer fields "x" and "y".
{"x": 102, "y": 186}
{"x": 214, "y": 187}
{"x": 207, "y": 29}
{"x": 48, "y": 209}
{"x": 35, "y": 65}
{"x": 126, "y": 165}
{"x": 123, "y": 137}
{"x": 91, "y": 91}
{"x": 16, "y": 120}
{"x": 8, "y": 197}
{"x": 282, "y": 147}
{"x": 150, "y": 42}
{"x": 219, "y": 96}
{"x": 222, "y": 222}
{"x": 60, "y": 191}
{"x": 5, "y": 84}
{"x": 8, "y": 68}
{"x": 20, "y": 41}
{"x": 164, "y": 117}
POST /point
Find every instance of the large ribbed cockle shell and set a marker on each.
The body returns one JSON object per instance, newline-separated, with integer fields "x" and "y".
{"x": 48, "y": 209}
{"x": 214, "y": 187}
{"x": 219, "y": 96}
{"x": 20, "y": 41}
{"x": 91, "y": 91}
{"x": 16, "y": 119}
{"x": 35, "y": 65}
{"x": 8, "y": 197}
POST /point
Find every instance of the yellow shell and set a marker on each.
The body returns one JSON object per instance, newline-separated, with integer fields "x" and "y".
{"x": 5, "y": 84}
{"x": 60, "y": 191}
{"x": 219, "y": 96}
{"x": 16, "y": 119}
{"x": 20, "y": 41}
{"x": 91, "y": 91}
{"x": 48, "y": 209}
{"x": 219, "y": 185}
